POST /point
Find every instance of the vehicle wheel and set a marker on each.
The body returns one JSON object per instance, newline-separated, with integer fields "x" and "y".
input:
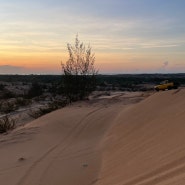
{"x": 175, "y": 87}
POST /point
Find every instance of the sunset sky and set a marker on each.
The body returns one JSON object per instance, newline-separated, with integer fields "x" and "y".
{"x": 127, "y": 36}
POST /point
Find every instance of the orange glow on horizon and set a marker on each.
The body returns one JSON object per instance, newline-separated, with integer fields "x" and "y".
{"x": 105, "y": 62}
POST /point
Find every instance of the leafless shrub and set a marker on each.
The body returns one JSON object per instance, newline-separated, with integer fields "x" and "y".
{"x": 79, "y": 73}
{"x": 41, "y": 111}
{"x": 6, "y": 124}
{"x": 7, "y": 107}
{"x": 34, "y": 114}
{"x": 47, "y": 109}
{"x": 22, "y": 102}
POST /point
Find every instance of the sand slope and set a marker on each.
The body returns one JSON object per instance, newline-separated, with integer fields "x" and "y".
{"x": 61, "y": 148}
{"x": 106, "y": 142}
{"x": 146, "y": 145}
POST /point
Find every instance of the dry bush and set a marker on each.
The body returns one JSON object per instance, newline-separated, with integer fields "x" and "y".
{"x": 49, "y": 108}
{"x": 22, "y": 102}
{"x": 34, "y": 114}
{"x": 6, "y": 124}
{"x": 7, "y": 107}
{"x": 41, "y": 111}
{"x": 79, "y": 73}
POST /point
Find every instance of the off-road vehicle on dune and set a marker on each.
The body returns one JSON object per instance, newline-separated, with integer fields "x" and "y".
{"x": 166, "y": 85}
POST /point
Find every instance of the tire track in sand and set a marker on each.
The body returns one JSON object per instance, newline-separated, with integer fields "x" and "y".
{"x": 52, "y": 149}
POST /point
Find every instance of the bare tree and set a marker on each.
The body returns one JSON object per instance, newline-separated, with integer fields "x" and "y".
{"x": 79, "y": 73}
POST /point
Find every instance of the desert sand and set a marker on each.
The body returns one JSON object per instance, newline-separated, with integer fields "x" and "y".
{"x": 123, "y": 139}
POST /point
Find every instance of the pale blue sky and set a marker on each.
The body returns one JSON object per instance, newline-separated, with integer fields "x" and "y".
{"x": 126, "y": 35}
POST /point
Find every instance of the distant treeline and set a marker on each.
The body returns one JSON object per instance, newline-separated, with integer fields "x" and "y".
{"x": 136, "y": 79}
{"x": 102, "y": 80}
{"x": 31, "y": 78}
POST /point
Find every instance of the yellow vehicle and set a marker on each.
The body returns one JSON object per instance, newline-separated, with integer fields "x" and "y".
{"x": 166, "y": 85}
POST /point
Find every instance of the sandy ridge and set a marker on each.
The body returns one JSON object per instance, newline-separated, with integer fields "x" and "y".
{"x": 63, "y": 147}
{"x": 146, "y": 144}
{"x": 110, "y": 141}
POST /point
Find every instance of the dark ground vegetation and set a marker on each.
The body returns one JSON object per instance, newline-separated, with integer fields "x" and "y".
{"x": 27, "y": 91}
{"x": 52, "y": 83}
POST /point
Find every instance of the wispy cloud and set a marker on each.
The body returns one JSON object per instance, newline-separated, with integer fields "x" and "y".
{"x": 59, "y": 27}
{"x": 137, "y": 28}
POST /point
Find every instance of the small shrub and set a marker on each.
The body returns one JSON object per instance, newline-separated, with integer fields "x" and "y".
{"x": 7, "y": 107}
{"x": 34, "y": 114}
{"x": 2, "y": 87}
{"x": 7, "y": 94}
{"x": 6, "y": 124}
{"x": 51, "y": 107}
{"x": 35, "y": 90}
{"x": 58, "y": 104}
{"x": 41, "y": 111}
{"x": 22, "y": 102}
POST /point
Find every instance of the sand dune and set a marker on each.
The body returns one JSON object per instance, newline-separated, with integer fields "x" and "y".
{"x": 110, "y": 141}
{"x": 59, "y": 148}
{"x": 146, "y": 145}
